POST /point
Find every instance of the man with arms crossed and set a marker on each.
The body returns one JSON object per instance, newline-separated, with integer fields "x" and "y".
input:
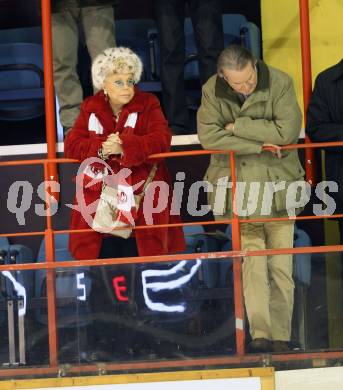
{"x": 251, "y": 108}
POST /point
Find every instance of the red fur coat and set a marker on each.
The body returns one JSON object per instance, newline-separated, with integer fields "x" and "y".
{"x": 149, "y": 135}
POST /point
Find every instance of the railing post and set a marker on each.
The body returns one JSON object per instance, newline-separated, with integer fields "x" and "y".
{"x": 50, "y": 278}
{"x": 49, "y": 91}
{"x": 307, "y": 81}
{"x": 237, "y": 265}
{"x": 51, "y": 298}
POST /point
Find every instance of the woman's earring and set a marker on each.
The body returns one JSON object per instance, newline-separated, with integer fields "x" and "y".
{"x": 106, "y": 94}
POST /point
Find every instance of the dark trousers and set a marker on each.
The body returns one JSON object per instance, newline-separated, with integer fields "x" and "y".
{"x": 102, "y": 290}
{"x": 118, "y": 247}
{"x": 339, "y": 210}
{"x": 206, "y": 18}
{"x": 103, "y": 302}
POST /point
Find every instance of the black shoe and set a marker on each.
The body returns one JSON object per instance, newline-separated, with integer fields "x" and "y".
{"x": 280, "y": 346}
{"x": 260, "y": 345}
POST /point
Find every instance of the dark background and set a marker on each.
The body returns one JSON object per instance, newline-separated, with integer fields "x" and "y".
{"x": 24, "y": 13}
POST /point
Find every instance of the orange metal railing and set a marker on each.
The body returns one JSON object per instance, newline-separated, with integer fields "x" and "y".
{"x": 307, "y": 80}
{"x": 49, "y": 90}
{"x": 236, "y": 254}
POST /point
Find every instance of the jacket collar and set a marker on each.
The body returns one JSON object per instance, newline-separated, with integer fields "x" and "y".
{"x": 100, "y": 106}
{"x": 224, "y": 91}
{"x": 338, "y": 71}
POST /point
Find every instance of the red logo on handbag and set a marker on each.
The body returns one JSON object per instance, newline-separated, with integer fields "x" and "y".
{"x": 122, "y": 197}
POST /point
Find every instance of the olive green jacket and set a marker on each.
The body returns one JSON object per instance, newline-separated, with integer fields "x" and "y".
{"x": 60, "y": 5}
{"x": 270, "y": 114}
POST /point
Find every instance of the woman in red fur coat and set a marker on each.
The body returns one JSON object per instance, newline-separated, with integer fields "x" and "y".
{"x": 123, "y": 126}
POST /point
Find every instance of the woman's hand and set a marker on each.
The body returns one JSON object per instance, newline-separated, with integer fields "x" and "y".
{"x": 112, "y": 145}
{"x": 114, "y": 137}
{"x": 275, "y": 149}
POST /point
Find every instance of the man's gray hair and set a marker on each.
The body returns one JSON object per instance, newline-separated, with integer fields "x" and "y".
{"x": 234, "y": 57}
{"x": 115, "y": 60}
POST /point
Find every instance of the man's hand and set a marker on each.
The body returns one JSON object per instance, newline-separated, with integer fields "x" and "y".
{"x": 230, "y": 127}
{"x": 275, "y": 149}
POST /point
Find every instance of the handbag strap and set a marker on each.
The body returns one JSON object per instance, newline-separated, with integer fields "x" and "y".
{"x": 149, "y": 178}
{"x": 147, "y": 181}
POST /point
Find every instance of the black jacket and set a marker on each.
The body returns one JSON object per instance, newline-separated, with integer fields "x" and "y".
{"x": 60, "y": 5}
{"x": 325, "y": 120}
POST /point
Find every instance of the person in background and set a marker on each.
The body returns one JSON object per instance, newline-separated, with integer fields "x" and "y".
{"x": 206, "y": 18}
{"x": 97, "y": 20}
{"x": 251, "y": 108}
{"x": 325, "y": 124}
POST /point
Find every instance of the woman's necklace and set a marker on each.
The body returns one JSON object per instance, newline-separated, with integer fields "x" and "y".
{"x": 117, "y": 115}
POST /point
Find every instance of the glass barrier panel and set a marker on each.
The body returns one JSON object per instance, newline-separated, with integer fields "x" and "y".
{"x": 168, "y": 310}
{"x": 137, "y": 312}
{"x": 24, "y": 339}
{"x": 304, "y": 310}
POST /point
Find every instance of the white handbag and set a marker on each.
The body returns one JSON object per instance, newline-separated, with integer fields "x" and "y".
{"x": 115, "y": 208}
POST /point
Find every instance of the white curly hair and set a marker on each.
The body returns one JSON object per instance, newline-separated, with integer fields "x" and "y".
{"x": 115, "y": 60}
